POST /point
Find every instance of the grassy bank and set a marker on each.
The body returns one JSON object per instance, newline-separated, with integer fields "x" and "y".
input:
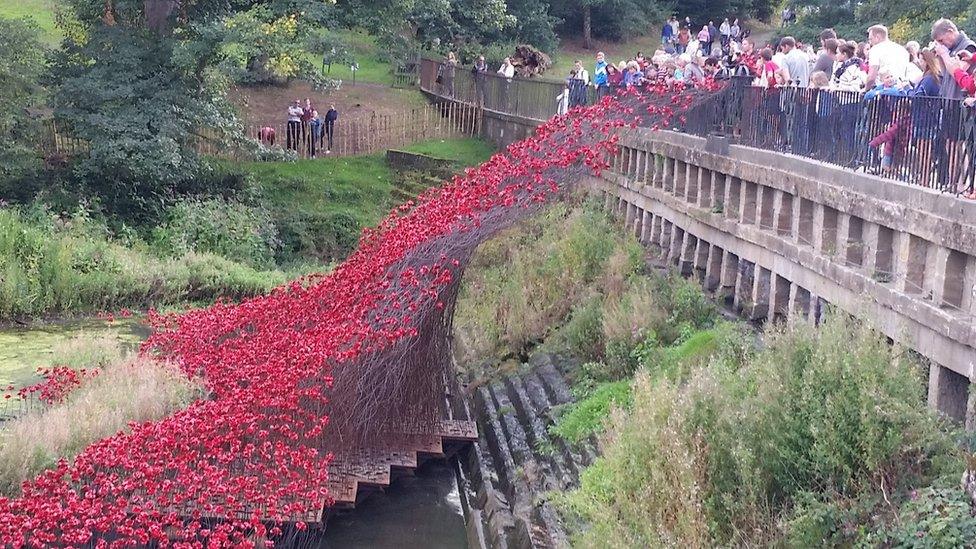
{"x": 55, "y": 266}
{"x": 40, "y": 11}
{"x": 320, "y": 206}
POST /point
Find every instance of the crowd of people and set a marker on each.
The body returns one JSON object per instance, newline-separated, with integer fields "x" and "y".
{"x": 866, "y": 70}
{"x": 305, "y": 130}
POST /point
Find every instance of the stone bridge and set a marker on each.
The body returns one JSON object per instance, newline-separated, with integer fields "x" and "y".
{"x": 781, "y": 236}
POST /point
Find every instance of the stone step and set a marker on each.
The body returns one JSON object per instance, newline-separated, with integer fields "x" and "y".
{"x": 553, "y": 382}
{"x": 543, "y": 407}
{"x": 554, "y": 470}
{"x": 497, "y": 444}
{"x": 518, "y": 443}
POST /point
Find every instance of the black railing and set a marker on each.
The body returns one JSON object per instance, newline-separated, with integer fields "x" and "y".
{"x": 919, "y": 140}
{"x": 923, "y": 141}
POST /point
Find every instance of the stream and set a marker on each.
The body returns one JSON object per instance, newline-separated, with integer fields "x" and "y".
{"x": 419, "y": 511}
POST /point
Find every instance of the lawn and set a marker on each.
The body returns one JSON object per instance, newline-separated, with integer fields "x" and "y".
{"x": 41, "y": 11}
{"x": 465, "y": 152}
{"x": 321, "y": 205}
{"x": 571, "y": 49}
{"x": 365, "y": 52}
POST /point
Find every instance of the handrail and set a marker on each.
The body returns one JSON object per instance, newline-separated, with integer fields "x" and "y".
{"x": 930, "y": 142}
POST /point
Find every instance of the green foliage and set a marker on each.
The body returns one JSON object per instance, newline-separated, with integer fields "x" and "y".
{"x": 524, "y": 284}
{"x": 585, "y": 417}
{"x": 933, "y": 518}
{"x": 229, "y": 229}
{"x": 906, "y": 20}
{"x": 51, "y": 265}
{"x": 800, "y": 442}
{"x": 21, "y": 63}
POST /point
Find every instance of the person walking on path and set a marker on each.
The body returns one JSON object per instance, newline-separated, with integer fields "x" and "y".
{"x": 294, "y": 125}
{"x": 330, "y": 120}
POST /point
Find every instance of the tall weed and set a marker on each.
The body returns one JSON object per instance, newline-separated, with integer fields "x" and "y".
{"x": 727, "y": 456}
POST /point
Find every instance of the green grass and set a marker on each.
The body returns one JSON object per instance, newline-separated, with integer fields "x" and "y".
{"x": 616, "y": 52}
{"x": 587, "y": 416}
{"x": 365, "y": 52}
{"x": 320, "y": 206}
{"x": 467, "y": 152}
{"x": 41, "y": 11}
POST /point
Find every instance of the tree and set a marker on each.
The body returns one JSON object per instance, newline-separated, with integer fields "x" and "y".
{"x": 21, "y": 64}
{"x": 143, "y": 83}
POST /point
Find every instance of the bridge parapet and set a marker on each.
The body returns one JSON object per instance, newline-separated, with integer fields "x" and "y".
{"x": 781, "y": 236}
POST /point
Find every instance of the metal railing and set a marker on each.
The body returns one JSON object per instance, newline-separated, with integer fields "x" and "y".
{"x": 923, "y": 141}
{"x": 523, "y": 97}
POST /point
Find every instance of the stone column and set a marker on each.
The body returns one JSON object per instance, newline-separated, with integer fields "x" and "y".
{"x": 646, "y": 223}
{"x": 761, "y": 287}
{"x": 948, "y": 392}
{"x": 730, "y": 273}
{"x": 713, "y": 268}
{"x": 686, "y": 259}
{"x": 936, "y": 267}
{"x": 743, "y": 285}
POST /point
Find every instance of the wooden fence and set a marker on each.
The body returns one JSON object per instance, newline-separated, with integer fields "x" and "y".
{"x": 374, "y": 134}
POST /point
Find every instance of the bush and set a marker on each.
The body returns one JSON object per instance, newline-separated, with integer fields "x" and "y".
{"x": 52, "y": 265}
{"x": 523, "y": 286}
{"x": 225, "y": 228}
{"x": 744, "y": 453}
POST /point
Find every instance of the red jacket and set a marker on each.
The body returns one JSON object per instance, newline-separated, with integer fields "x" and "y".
{"x": 965, "y": 81}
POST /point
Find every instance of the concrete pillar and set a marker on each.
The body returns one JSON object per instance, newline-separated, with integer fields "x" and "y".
{"x": 969, "y": 287}
{"x": 638, "y": 227}
{"x": 803, "y": 224}
{"x": 843, "y": 233}
{"x": 608, "y": 202}
{"x": 799, "y": 302}
{"x": 795, "y": 219}
{"x": 767, "y": 200}
{"x": 779, "y": 302}
{"x": 686, "y": 260}
{"x": 825, "y": 230}
{"x": 675, "y": 246}
{"x": 646, "y": 222}
{"x": 667, "y": 175}
{"x": 730, "y": 273}
{"x": 855, "y": 241}
{"x": 954, "y": 287}
{"x": 733, "y": 197}
{"x": 761, "y": 287}
{"x": 948, "y": 392}
{"x": 701, "y": 260}
{"x": 936, "y": 265}
{"x": 665, "y": 242}
{"x": 910, "y": 253}
{"x": 748, "y": 203}
{"x": 713, "y": 268}
{"x": 705, "y": 188}
{"x": 656, "y": 222}
{"x": 680, "y": 178}
{"x": 630, "y": 210}
{"x": 783, "y": 212}
{"x": 691, "y": 184}
{"x": 743, "y": 286}
{"x": 719, "y": 185}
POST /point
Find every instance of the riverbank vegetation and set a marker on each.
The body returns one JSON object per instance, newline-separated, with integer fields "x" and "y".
{"x": 711, "y": 434}
{"x": 119, "y": 387}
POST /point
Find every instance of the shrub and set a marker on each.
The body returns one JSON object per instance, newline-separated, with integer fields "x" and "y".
{"x": 222, "y": 227}
{"x": 523, "y": 286}
{"x": 52, "y": 265}
{"x": 816, "y": 417}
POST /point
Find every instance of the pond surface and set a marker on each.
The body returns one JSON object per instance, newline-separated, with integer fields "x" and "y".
{"x": 23, "y": 349}
{"x": 419, "y": 511}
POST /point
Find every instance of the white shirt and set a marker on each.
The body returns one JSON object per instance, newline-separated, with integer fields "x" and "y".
{"x": 583, "y": 75}
{"x": 889, "y": 56}
{"x": 507, "y": 71}
{"x": 295, "y": 114}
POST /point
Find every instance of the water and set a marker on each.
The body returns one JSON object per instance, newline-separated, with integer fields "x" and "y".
{"x": 420, "y": 511}
{"x": 23, "y": 349}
